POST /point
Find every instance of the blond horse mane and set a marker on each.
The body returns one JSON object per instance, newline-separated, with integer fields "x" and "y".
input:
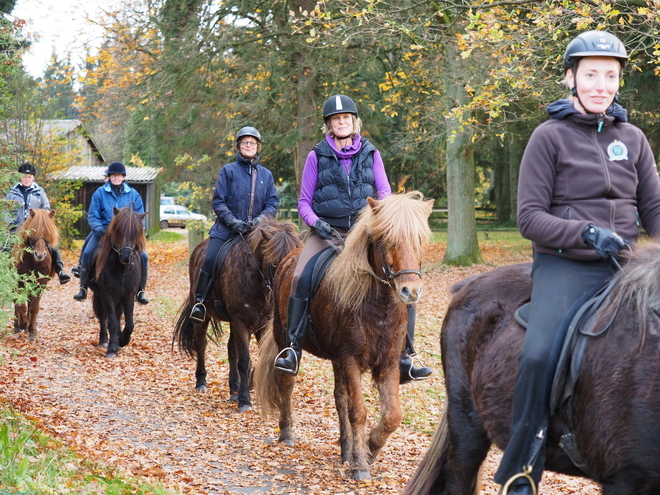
{"x": 398, "y": 222}
{"x": 38, "y": 224}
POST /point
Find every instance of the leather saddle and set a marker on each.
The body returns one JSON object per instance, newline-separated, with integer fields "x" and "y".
{"x": 578, "y": 327}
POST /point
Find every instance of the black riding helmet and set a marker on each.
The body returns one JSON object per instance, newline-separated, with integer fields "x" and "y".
{"x": 27, "y": 168}
{"x": 116, "y": 168}
{"x": 338, "y": 104}
{"x": 594, "y": 44}
{"x": 248, "y": 131}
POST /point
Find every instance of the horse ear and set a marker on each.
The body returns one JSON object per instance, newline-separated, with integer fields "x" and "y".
{"x": 144, "y": 215}
{"x": 267, "y": 234}
{"x": 373, "y": 203}
{"x": 32, "y": 212}
{"x": 115, "y": 210}
{"x": 52, "y": 213}
{"x": 430, "y": 203}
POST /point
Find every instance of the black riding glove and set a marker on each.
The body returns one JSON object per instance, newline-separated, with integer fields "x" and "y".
{"x": 323, "y": 229}
{"x": 605, "y": 242}
{"x": 257, "y": 221}
{"x": 238, "y": 226}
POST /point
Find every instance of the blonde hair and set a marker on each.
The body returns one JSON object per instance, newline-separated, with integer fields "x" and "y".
{"x": 357, "y": 126}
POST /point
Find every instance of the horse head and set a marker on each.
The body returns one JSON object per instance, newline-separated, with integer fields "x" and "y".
{"x": 384, "y": 246}
{"x": 39, "y": 233}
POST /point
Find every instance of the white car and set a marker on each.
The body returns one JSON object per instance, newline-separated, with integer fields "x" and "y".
{"x": 177, "y": 216}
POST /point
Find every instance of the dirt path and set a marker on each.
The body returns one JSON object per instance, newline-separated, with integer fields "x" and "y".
{"x": 140, "y": 412}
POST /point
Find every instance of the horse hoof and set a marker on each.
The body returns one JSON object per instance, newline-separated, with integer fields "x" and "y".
{"x": 233, "y": 397}
{"x": 103, "y": 344}
{"x": 245, "y": 408}
{"x": 200, "y": 388}
{"x": 32, "y": 337}
{"x": 111, "y": 354}
{"x": 361, "y": 474}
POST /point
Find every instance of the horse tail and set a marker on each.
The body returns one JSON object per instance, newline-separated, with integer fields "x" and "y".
{"x": 184, "y": 330}
{"x": 427, "y": 477}
{"x": 266, "y": 382}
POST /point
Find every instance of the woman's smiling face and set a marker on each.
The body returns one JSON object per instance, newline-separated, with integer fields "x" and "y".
{"x": 597, "y": 80}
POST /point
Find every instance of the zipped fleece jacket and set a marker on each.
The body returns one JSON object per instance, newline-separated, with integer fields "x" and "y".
{"x": 586, "y": 169}
{"x": 243, "y": 190}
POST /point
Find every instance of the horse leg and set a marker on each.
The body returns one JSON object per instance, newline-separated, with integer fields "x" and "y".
{"x": 357, "y": 415}
{"x": 114, "y": 321}
{"x": 232, "y": 355}
{"x": 390, "y": 407}
{"x": 129, "y": 324}
{"x": 241, "y": 336}
{"x": 33, "y": 312}
{"x": 285, "y": 386}
{"x": 200, "y": 352}
{"x": 21, "y": 317}
{"x": 341, "y": 403}
{"x": 99, "y": 311}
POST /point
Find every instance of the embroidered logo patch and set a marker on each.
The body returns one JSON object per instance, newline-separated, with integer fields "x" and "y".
{"x": 617, "y": 151}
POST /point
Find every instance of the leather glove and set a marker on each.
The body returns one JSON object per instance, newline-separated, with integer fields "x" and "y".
{"x": 257, "y": 221}
{"x": 99, "y": 232}
{"x": 323, "y": 229}
{"x": 605, "y": 242}
{"x": 238, "y": 226}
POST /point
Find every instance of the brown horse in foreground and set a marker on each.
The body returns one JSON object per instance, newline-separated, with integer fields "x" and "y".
{"x": 32, "y": 254}
{"x": 243, "y": 287}
{"x": 358, "y": 322}
{"x": 616, "y": 403}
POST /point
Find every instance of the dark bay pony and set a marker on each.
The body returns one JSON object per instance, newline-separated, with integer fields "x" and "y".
{"x": 116, "y": 278}
{"x": 243, "y": 287}
{"x": 31, "y": 254}
{"x": 616, "y": 403}
{"x": 359, "y": 322}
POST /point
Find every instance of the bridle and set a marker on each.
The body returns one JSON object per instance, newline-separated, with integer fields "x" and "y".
{"x": 389, "y": 275}
{"x": 131, "y": 252}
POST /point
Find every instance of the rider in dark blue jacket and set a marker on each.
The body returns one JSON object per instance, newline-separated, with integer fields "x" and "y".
{"x": 114, "y": 194}
{"x": 244, "y": 196}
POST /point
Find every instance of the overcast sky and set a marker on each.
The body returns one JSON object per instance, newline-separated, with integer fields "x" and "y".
{"x": 58, "y": 25}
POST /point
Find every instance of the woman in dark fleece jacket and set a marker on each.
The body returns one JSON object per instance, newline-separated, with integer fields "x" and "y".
{"x": 587, "y": 178}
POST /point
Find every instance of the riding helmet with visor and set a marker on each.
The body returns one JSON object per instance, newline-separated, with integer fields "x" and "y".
{"x": 116, "y": 168}
{"x": 594, "y": 44}
{"x": 248, "y": 131}
{"x": 27, "y": 168}
{"x": 338, "y": 104}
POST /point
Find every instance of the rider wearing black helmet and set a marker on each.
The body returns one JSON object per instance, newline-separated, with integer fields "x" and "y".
{"x": 115, "y": 193}
{"x": 586, "y": 178}
{"x": 29, "y": 195}
{"x": 340, "y": 173}
{"x": 244, "y": 196}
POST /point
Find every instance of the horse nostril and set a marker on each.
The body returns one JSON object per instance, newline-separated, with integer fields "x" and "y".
{"x": 405, "y": 292}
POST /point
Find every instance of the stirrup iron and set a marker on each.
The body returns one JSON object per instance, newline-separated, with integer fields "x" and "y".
{"x": 526, "y": 472}
{"x": 197, "y": 319}
{"x": 287, "y": 370}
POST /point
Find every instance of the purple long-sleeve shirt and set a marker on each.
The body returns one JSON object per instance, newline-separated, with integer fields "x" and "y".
{"x": 345, "y": 155}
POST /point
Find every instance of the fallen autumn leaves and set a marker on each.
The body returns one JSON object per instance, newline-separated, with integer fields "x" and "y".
{"x": 140, "y": 412}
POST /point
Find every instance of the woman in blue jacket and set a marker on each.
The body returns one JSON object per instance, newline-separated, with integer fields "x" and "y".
{"x": 244, "y": 196}
{"x": 114, "y": 194}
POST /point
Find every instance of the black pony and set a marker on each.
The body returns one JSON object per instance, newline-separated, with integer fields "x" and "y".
{"x": 241, "y": 295}
{"x": 614, "y": 410}
{"x": 117, "y": 278}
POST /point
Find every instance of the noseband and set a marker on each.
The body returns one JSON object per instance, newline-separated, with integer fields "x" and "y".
{"x": 131, "y": 251}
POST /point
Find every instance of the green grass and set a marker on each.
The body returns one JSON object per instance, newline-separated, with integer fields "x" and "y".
{"x": 32, "y": 462}
{"x": 166, "y": 236}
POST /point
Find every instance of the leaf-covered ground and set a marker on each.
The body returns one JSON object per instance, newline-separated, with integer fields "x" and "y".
{"x": 140, "y": 412}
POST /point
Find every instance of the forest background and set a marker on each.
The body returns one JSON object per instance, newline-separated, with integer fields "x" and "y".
{"x": 448, "y": 90}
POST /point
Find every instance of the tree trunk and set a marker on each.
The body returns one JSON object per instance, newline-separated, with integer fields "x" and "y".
{"x": 462, "y": 242}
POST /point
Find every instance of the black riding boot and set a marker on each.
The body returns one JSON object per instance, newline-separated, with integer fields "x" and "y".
{"x": 82, "y": 293}
{"x": 59, "y": 266}
{"x": 198, "y": 313}
{"x": 288, "y": 360}
{"x": 141, "y": 296}
{"x": 408, "y": 371}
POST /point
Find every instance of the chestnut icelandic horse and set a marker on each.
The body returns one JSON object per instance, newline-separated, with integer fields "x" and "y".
{"x": 242, "y": 295}
{"x": 116, "y": 278}
{"x": 31, "y": 255}
{"x": 614, "y": 410}
{"x": 358, "y": 321}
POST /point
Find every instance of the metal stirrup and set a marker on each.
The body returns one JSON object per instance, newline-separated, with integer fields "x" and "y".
{"x": 280, "y": 354}
{"x": 199, "y": 320}
{"x": 527, "y": 470}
